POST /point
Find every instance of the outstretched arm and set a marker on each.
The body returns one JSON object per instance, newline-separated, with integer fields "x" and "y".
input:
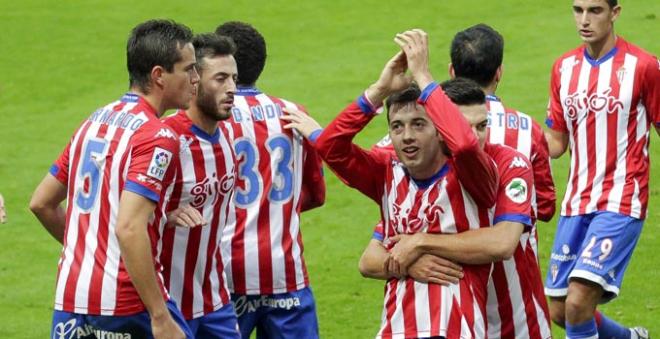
{"x": 476, "y": 170}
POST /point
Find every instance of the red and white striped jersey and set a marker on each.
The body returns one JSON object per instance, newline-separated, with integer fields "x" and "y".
{"x": 191, "y": 257}
{"x": 606, "y": 107}
{"x": 122, "y": 146}
{"x": 439, "y": 204}
{"x": 278, "y": 175}
{"x": 519, "y": 131}
{"x": 516, "y": 306}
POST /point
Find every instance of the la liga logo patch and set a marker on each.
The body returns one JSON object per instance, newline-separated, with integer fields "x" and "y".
{"x": 160, "y": 161}
{"x": 516, "y": 190}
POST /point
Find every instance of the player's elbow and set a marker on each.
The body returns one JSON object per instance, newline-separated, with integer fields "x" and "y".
{"x": 124, "y": 231}
{"x": 39, "y": 206}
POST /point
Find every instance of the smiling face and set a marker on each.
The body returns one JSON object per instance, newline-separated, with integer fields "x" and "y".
{"x": 594, "y": 20}
{"x": 416, "y": 142}
{"x": 215, "y": 95}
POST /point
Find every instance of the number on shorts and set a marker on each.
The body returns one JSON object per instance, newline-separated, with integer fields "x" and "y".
{"x": 605, "y": 248}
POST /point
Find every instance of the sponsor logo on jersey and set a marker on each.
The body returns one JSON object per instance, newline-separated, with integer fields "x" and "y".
{"x": 211, "y": 187}
{"x": 159, "y": 163}
{"x": 516, "y": 190}
{"x": 243, "y": 305}
{"x": 406, "y": 223}
{"x": 518, "y": 162}
{"x": 579, "y": 104}
{"x": 165, "y": 133}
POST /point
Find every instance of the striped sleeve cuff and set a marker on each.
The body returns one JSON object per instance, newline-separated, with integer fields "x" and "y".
{"x": 367, "y": 107}
{"x": 377, "y": 236}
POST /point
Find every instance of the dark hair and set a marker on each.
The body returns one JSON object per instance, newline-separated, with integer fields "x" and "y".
{"x": 209, "y": 45}
{"x": 612, "y": 3}
{"x": 154, "y": 43}
{"x": 408, "y": 95}
{"x": 476, "y": 53}
{"x": 463, "y": 92}
{"x": 251, "y": 52}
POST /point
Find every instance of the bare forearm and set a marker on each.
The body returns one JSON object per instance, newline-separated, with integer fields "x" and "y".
{"x": 372, "y": 262}
{"x": 136, "y": 253}
{"x": 53, "y": 218}
{"x": 480, "y": 246}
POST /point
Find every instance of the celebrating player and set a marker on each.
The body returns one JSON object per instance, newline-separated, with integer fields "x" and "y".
{"x": 418, "y": 193}
{"x": 476, "y": 53}
{"x": 113, "y": 173}
{"x": 603, "y": 98}
{"x": 279, "y": 175}
{"x": 191, "y": 257}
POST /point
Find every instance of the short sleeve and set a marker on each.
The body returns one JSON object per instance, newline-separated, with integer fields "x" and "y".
{"x": 555, "y": 114}
{"x": 379, "y": 232}
{"x": 651, "y": 90}
{"x": 150, "y": 171}
{"x": 514, "y": 199}
{"x": 60, "y": 169}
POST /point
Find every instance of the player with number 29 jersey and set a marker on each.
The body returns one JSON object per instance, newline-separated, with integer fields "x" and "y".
{"x": 120, "y": 147}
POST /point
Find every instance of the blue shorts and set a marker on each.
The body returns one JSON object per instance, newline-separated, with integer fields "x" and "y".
{"x": 275, "y": 316}
{"x": 75, "y": 325}
{"x": 218, "y": 324}
{"x": 596, "y": 247}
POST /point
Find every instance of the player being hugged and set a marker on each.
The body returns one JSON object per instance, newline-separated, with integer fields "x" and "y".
{"x": 418, "y": 190}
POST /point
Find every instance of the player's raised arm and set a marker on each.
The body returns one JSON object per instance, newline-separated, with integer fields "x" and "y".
{"x": 477, "y": 172}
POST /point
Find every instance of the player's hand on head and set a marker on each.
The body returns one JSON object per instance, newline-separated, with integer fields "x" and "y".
{"x": 185, "y": 216}
{"x": 392, "y": 79}
{"x": 301, "y": 122}
{"x": 429, "y": 268}
{"x": 3, "y": 211}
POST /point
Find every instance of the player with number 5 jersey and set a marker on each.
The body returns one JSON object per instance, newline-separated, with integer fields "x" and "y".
{"x": 279, "y": 175}
{"x": 114, "y": 174}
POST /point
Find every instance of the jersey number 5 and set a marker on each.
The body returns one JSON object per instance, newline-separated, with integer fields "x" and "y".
{"x": 92, "y": 160}
{"x": 279, "y": 148}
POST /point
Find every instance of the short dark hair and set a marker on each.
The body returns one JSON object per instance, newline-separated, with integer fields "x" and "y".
{"x": 154, "y": 43}
{"x": 251, "y": 50}
{"x": 476, "y": 53}
{"x": 612, "y": 3}
{"x": 408, "y": 95}
{"x": 209, "y": 45}
{"x": 463, "y": 92}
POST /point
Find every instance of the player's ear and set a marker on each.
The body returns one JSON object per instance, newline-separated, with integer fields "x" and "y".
{"x": 498, "y": 73}
{"x": 157, "y": 76}
{"x": 452, "y": 73}
{"x": 616, "y": 11}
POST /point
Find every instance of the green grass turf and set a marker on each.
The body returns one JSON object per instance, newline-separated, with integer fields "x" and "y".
{"x": 61, "y": 60}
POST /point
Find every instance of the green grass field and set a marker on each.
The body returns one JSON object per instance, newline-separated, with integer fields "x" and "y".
{"x": 60, "y": 60}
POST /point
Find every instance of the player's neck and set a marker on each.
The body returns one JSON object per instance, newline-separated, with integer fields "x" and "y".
{"x": 429, "y": 172}
{"x": 490, "y": 89}
{"x": 599, "y": 49}
{"x": 153, "y": 100}
{"x": 200, "y": 120}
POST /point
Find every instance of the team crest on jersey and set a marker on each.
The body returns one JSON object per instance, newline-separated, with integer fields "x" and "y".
{"x": 185, "y": 144}
{"x": 516, "y": 190}
{"x": 518, "y": 162}
{"x": 165, "y": 133}
{"x": 621, "y": 74}
{"x": 160, "y": 161}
